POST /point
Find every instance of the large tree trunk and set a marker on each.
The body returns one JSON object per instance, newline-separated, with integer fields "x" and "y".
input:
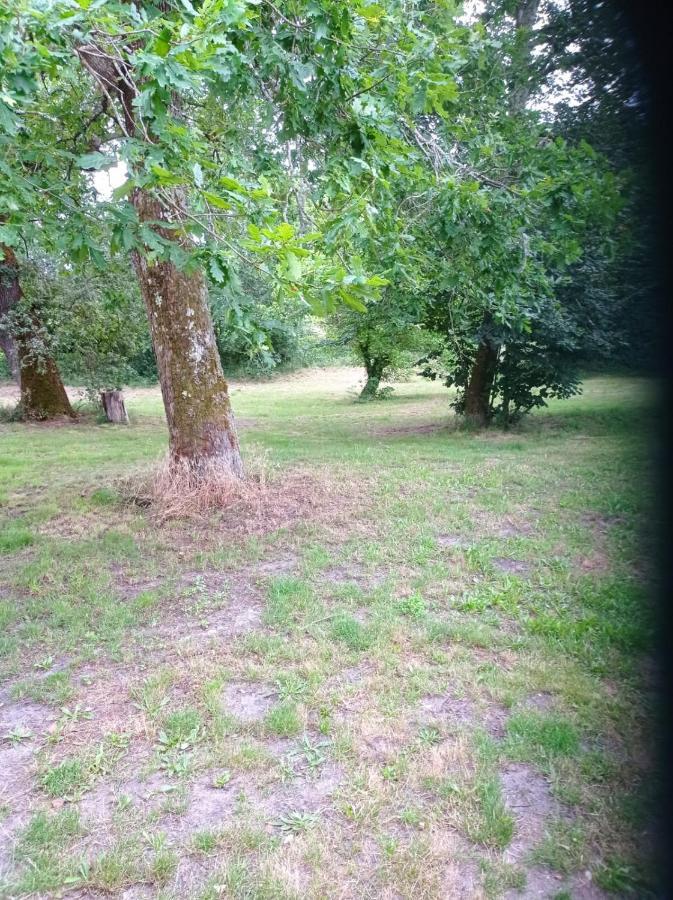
{"x": 201, "y": 425}
{"x": 480, "y": 385}
{"x": 43, "y": 395}
{"x": 374, "y": 369}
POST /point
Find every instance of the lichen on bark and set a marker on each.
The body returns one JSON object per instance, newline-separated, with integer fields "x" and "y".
{"x": 201, "y": 424}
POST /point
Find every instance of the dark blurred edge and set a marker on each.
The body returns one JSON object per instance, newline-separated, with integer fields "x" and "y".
{"x": 650, "y": 24}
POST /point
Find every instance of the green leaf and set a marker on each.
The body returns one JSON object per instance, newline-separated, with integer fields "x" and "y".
{"x": 214, "y": 200}
{"x": 9, "y": 121}
{"x": 95, "y": 160}
{"x": 293, "y": 267}
{"x": 163, "y": 43}
{"x": 284, "y": 232}
{"x": 123, "y": 190}
{"x": 352, "y": 301}
{"x": 217, "y": 273}
{"x": 232, "y": 185}
{"x": 164, "y": 176}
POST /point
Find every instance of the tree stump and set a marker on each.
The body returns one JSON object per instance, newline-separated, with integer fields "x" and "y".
{"x": 113, "y": 405}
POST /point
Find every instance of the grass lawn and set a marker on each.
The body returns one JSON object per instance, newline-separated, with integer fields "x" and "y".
{"x": 422, "y": 673}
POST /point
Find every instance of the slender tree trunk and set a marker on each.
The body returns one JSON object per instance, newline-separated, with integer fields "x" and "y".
{"x": 201, "y": 425}
{"x": 9, "y": 348}
{"x": 43, "y": 395}
{"x": 480, "y": 385}
{"x": 524, "y": 17}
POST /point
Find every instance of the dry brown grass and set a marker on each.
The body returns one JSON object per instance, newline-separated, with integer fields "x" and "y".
{"x": 266, "y": 499}
{"x": 175, "y": 490}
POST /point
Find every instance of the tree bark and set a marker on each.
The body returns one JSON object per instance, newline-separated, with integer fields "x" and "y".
{"x": 114, "y": 407}
{"x": 43, "y": 395}
{"x": 9, "y": 348}
{"x": 524, "y": 17}
{"x": 368, "y": 392}
{"x": 374, "y": 369}
{"x": 480, "y": 385}
{"x": 201, "y": 424}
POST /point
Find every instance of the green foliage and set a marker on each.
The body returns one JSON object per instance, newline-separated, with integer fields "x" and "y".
{"x": 536, "y": 736}
{"x": 180, "y": 729}
{"x": 283, "y": 719}
{"x": 165, "y": 125}
{"x": 14, "y": 536}
{"x": 495, "y": 826}
{"x": 66, "y": 779}
{"x": 257, "y": 331}
{"x": 328, "y": 161}
{"x": 352, "y": 633}
{"x": 563, "y": 847}
{"x": 94, "y": 321}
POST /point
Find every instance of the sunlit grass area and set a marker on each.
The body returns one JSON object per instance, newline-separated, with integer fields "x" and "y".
{"x": 431, "y": 681}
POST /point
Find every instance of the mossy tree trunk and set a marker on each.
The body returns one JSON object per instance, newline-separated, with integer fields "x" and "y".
{"x": 201, "y": 425}
{"x": 374, "y": 369}
{"x": 43, "y": 395}
{"x": 480, "y": 385}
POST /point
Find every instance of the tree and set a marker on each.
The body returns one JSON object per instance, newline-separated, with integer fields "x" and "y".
{"x": 589, "y": 50}
{"x": 512, "y": 213}
{"x": 479, "y": 387}
{"x": 386, "y": 337}
{"x": 161, "y": 70}
{"x": 96, "y": 320}
{"x": 43, "y": 395}
{"x": 9, "y": 348}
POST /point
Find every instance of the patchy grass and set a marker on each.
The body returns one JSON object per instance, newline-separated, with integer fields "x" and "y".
{"x": 414, "y": 665}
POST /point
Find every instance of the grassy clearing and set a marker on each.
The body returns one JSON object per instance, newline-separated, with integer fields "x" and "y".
{"x": 431, "y": 681}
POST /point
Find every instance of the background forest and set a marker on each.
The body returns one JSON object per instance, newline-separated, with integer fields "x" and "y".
{"x": 480, "y": 214}
{"x": 326, "y": 511}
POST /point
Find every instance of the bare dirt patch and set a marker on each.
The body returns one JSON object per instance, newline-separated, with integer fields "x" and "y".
{"x": 280, "y": 565}
{"x": 526, "y": 794}
{"x": 25, "y": 715}
{"x": 513, "y": 528}
{"x": 17, "y": 769}
{"x": 599, "y": 523}
{"x": 511, "y": 566}
{"x": 310, "y": 794}
{"x": 248, "y": 701}
{"x": 542, "y": 884}
{"x": 448, "y": 712}
{"x": 596, "y": 562}
{"x": 128, "y": 587}
{"x": 541, "y": 701}
{"x": 409, "y": 430}
{"x": 209, "y": 807}
{"x": 452, "y": 540}
{"x": 213, "y": 605}
{"x": 355, "y": 674}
